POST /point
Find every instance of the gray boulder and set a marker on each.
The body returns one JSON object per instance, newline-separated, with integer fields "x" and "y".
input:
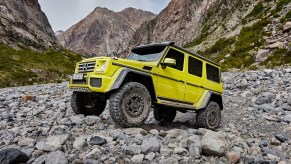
{"x": 150, "y": 145}
{"x": 213, "y": 144}
{"x": 57, "y": 157}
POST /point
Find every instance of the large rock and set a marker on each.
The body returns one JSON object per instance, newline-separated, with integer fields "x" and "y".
{"x": 91, "y": 120}
{"x": 94, "y": 154}
{"x": 262, "y": 55}
{"x": 287, "y": 27}
{"x": 132, "y": 149}
{"x": 78, "y": 119}
{"x": 277, "y": 45}
{"x": 150, "y": 145}
{"x": 80, "y": 143}
{"x": 57, "y": 157}
{"x": 55, "y": 142}
{"x": 137, "y": 158}
{"x": 25, "y": 141}
{"x": 96, "y": 140}
{"x": 233, "y": 157}
{"x": 213, "y": 144}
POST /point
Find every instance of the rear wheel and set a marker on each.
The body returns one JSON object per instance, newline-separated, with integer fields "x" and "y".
{"x": 209, "y": 117}
{"x": 87, "y": 103}
{"x": 130, "y": 105}
{"x": 164, "y": 114}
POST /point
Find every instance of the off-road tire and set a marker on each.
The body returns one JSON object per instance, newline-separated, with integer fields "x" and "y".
{"x": 164, "y": 114}
{"x": 79, "y": 107}
{"x": 120, "y": 109}
{"x": 204, "y": 116}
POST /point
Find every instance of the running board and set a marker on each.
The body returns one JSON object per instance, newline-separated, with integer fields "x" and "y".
{"x": 176, "y": 104}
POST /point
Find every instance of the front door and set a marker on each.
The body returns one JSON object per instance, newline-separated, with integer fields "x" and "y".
{"x": 171, "y": 79}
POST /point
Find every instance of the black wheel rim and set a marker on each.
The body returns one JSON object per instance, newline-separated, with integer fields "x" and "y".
{"x": 212, "y": 117}
{"x": 134, "y": 105}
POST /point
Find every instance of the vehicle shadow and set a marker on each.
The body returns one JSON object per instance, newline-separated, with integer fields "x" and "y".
{"x": 182, "y": 121}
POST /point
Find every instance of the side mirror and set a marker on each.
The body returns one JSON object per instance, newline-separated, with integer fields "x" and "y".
{"x": 168, "y": 62}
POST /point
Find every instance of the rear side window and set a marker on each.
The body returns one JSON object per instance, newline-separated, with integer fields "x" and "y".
{"x": 212, "y": 73}
{"x": 195, "y": 66}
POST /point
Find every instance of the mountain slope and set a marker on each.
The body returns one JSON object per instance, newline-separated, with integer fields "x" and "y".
{"x": 29, "y": 51}
{"x": 198, "y": 25}
{"x": 103, "y": 32}
{"x": 23, "y": 22}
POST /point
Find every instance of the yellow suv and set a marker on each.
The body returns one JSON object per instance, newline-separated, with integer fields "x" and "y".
{"x": 161, "y": 76}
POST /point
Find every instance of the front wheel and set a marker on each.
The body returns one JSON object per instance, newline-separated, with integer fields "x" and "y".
{"x": 87, "y": 103}
{"x": 130, "y": 105}
{"x": 209, "y": 117}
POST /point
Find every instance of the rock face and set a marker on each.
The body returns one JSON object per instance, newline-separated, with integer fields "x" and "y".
{"x": 103, "y": 32}
{"x": 135, "y": 17}
{"x": 182, "y": 21}
{"x": 23, "y": 22}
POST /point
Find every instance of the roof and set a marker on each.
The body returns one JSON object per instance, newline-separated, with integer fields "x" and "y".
{"x": 154, "y": 44}
{"x": 180, "y": 48}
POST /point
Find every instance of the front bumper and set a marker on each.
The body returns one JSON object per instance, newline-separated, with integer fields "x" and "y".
{"x": 91, "y": 83}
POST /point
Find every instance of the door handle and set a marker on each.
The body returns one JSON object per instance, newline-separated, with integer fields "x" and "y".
{"x": 181, "y": 81}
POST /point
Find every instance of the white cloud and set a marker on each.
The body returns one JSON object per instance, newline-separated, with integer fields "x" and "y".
{"x": 62, "y": 14}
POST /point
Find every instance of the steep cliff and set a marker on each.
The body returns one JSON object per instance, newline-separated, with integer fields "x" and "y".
{"x": 103, "y": 32}
{"x": 22, "y": 22}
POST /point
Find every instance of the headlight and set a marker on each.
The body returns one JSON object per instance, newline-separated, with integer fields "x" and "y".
{"x": 103, "y": 67}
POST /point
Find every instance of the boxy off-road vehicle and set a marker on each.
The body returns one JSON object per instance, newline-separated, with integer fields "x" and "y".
{"x": 161, "y": 76}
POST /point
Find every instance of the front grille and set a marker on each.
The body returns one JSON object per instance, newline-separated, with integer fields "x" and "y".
{"x": 86, "y": 67}
{"x": 96, "y": 82}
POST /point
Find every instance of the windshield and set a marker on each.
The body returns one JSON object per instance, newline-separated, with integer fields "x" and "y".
{"x": 147, "y": 54}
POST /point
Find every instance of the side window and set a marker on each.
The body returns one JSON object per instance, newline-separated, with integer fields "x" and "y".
{"x": 195, "y": 66}
{"x": 212, "y": 73}
{"x": 178, "y": 56}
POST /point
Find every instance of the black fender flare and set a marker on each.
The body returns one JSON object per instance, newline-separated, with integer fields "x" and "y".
{"x": 122, "y": 75}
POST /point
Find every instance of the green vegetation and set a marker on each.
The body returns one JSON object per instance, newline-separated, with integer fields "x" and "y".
{"x": 240, "y": 56}
{"x": 280, "y": 5}
{"x": 25, "y": 67}
{"x": 278, "y": 58}
{"x": 286, "y": 17}
{"x": 256, "y": 11}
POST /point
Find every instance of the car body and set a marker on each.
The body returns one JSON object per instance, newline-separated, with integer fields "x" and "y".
{"x": 173, "y": 76}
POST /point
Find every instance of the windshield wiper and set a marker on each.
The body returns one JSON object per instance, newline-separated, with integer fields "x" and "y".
{"x": 141, "y": 60}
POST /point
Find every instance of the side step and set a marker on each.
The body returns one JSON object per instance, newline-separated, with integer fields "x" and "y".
{"x": 176, "y": 104}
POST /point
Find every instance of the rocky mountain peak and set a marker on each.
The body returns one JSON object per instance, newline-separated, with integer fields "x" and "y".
{"x": 135, "y": 17}
{"x": 103, "y": 31}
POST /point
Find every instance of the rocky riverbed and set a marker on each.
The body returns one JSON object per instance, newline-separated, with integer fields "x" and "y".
{"x": 256, "y": 127}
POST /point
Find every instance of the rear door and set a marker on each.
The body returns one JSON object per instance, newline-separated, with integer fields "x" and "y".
{"x": 194, "y": 80}
{"x": 171, "y": 80}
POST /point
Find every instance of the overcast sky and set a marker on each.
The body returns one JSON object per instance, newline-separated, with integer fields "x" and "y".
{"x": 62, "y": 14}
